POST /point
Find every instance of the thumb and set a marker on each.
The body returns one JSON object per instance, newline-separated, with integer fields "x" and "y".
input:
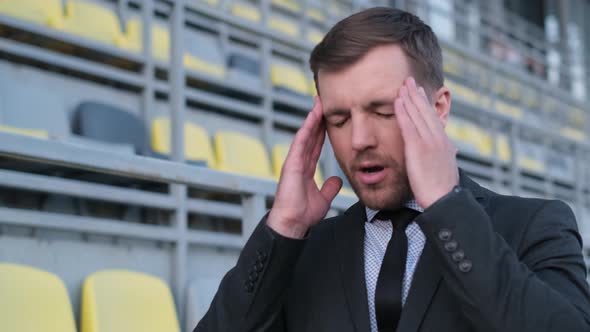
{"x": 331, "y": 188}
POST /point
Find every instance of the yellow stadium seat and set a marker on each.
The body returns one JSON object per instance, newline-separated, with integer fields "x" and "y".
{"x": 38, "y": 133}
{"x": 126, "y": 301}
{"x": 198, "y": 64}
{"x": 479, "y": 139}
{"x": 289, "y": 77}
{"x": 205, "y": 55}
{"x": 291, "y": 5}
{"x": 514, "y": 90}
{"x": 212, "y": 3}
{"x": 197, "y": 146}
{"x": 531, "y": 157}
{"x": 510, "y": 110}
{"x": 462, "y": 91}
{"x": 577, "y": 117}
{"x": 453, "y": 129}
{"x": 93, "y": 21}
{"x": 314, "y": 36}
{"x": 283, "y": 25}
{"x": 503, "y": 150}
{"x": 33, "y": 300}
{"x": 47, "y": 12}
{"x": 242, "y": 154}
{"x": 572, "y": 133}
{"x": 316, "y": 14}
{"x": 531, "y": 164}
{"x": 245, "y": 11}
{"x": 160, "y": 38}
{"x": 530, "y": 99}
{"x": 314, "y": 91}
{"x": 279, "y": 154}
{"x": 337, "y": 9}
{"x": 499, "y": 87}
{"x": 453, "y": 62}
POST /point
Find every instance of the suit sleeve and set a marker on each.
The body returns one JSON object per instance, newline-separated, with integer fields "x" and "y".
{"x": 543, "y": 288}
{"x": 250, "y": 296}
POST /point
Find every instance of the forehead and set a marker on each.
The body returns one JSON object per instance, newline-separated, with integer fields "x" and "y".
{"x": 380, "y": 73}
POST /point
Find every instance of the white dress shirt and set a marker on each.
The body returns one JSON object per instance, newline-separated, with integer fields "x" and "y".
{"x": 377, "y": 235}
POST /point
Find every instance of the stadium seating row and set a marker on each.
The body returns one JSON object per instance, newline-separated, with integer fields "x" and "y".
{"x": 97, "y": 21}
{"x": 229, "y": 152}
{"x": 476, "y": 85}
{"x": 112, "y": 300}
{"x": 94, "y": 21}
{"x": 237, "y": 153}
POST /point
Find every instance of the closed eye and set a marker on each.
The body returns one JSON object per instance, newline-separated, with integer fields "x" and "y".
{"x": 385, "y": 115}
{"x": 340, "y": 123}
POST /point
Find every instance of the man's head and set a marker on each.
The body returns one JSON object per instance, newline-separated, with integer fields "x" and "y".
{"x": 358, "y": 69}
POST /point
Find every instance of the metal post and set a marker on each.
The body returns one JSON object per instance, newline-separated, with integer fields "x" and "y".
{"x": 179, "y": 192}
{"x": 147, "y": 95}
{"x": 267, "y": 95}
{"x": 254, "y": 207}
{"x": 514, "y": 165}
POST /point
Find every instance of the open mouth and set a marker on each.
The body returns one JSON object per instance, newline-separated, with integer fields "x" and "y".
{"x": 372, "y": 169}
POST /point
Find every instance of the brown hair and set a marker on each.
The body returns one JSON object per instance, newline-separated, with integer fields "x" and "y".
{"x": 353, "y": 37}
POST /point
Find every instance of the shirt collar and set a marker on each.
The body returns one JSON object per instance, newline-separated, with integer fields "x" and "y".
{"x": 412, "y": 204}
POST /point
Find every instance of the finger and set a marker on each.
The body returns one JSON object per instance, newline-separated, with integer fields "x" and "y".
{"x": 331, "y": 187}
{"x": 320, "y": 129}
{"x": 317, "y": 137}
{"x": 300, "y": 146}
{"x": 423, "y": 105}
{"x": 406, "y": 125}
{"x": 414, "y": 114}
{"x": 422, "y": 93}
{"x": 317, "y": 152}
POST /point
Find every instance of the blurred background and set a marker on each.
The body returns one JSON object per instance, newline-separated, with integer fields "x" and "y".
{"x": 141, "y": 141}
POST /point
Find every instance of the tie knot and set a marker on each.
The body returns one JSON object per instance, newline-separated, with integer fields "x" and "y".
{"x": 400, "y": 218}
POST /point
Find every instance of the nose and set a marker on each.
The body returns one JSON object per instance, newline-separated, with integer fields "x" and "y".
{"x": 363, "y": 136}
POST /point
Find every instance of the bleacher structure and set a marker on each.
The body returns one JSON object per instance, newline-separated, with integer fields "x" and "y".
{"x": 141, "y": 142}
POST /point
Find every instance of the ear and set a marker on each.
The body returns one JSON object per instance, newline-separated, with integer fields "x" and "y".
{"x": 442, "y": 104}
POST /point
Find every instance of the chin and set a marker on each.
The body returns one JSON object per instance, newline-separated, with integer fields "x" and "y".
{"x": 382, "y": 199}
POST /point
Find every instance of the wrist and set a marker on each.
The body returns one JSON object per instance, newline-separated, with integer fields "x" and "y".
{"x": 289, "y": 229}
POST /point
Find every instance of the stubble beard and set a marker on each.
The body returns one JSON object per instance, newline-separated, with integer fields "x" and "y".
{"x": 392, "y": 193}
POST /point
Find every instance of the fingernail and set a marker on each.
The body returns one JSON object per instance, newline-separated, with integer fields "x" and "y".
{"x": 412, "y": 81}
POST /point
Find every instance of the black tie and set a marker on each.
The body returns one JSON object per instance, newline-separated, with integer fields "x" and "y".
{"x": 388, "y": 294}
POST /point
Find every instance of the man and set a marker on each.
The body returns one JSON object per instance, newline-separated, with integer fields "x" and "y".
{"x": 469, "y": 259}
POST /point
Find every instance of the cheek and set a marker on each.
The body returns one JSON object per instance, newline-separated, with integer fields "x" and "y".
{"x": 339, "y": 143}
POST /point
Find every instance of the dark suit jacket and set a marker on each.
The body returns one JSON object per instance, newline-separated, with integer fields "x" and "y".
{"x": 490, "y": 263}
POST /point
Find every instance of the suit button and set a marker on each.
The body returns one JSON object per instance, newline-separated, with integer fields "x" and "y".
{"x": 253, "y": 276}
{"x": 261, "y": 256}
{"x": 445, "y": 234}
{"x": 451, "y": 246}
{"x": 465, "y": 266}
{"x": 259, "y": 267}
{"x": 458, "y": 255}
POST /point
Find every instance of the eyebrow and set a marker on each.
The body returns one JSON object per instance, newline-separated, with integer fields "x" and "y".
{"x": 371, "y": 105}
{"x": 336, "y": 112}
{"x": 378, "y": 103}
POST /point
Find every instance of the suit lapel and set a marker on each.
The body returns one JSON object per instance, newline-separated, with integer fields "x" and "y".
{"x": 424, "y": 284}
{"x": 349, "y": 235}
{"x": 427, "y": 276}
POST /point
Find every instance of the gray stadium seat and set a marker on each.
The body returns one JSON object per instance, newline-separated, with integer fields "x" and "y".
{"x": 243, "y": 69}
{"x": 110, "y": 124}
